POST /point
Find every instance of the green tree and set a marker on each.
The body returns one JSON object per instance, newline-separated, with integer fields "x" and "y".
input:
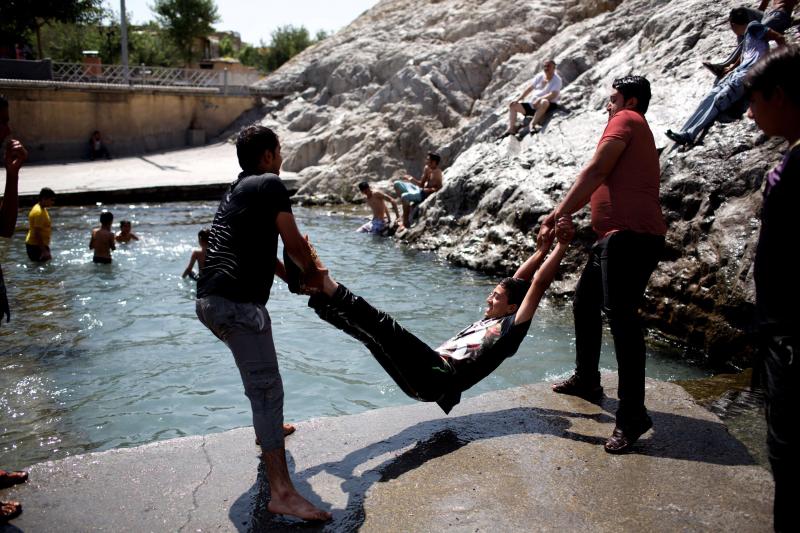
{"x": 185, "y": 21}
{"x": 18, "y": 18}
{"x": 287, "y": 42}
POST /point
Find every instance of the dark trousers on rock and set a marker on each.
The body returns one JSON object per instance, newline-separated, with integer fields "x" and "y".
{"x": 614, "y": 280}
{"x": 782, "y": 380}
{"x": 417, "y": 368}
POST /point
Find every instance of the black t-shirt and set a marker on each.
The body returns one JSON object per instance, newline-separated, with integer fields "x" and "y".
{"x": 477, "y": 350}
{"x": 243, "y": 242}
{"x": 775, "y": 271}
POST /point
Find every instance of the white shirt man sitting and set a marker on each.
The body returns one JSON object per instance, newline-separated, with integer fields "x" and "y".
{"x": 544, "y": 90}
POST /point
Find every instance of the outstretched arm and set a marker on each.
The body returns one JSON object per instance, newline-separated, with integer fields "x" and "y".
{"x": 299, "y": 250}
{"x": 188, "y": 271}
{"x": 546, "y": 274}
{"x": 14, "y": 157}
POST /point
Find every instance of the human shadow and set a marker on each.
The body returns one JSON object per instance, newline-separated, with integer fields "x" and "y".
{"x": 675, "y": 437}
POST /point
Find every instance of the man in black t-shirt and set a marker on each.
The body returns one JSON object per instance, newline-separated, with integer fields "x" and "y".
{"x": 233, "y": 289}
{"x": 441, "y": 375}
{"x": 774, "y": 87}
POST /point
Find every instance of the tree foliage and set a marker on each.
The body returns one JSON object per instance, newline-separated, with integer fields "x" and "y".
{"x": 20, "y": 18}
{"x": 185, "y": 21}
{"x": 286, "y": 42}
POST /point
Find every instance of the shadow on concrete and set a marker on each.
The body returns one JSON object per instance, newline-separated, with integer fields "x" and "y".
{"x": 674, "y": 437}
{"x": 162, "y": 167}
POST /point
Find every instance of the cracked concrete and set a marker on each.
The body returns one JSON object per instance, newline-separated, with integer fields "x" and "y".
{"x": 516, "y": 460}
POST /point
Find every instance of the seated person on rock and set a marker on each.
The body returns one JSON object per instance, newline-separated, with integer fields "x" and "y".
{"x": 441, "y": 375}
{"x": 778, "y": 18}
{"x": 730, "y": 89}
{"x": 376, "y": 200}
{"x": 544, "y": 90}
{"x": 413, "y": 190}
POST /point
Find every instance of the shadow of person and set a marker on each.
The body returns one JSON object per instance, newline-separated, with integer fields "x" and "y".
{"x": 675, "y": 437}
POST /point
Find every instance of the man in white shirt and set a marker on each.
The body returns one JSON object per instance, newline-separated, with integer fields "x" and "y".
{"x": 545, "y": 87}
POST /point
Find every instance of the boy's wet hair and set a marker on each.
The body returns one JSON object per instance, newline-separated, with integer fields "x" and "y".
{"x": 516, "y": 289}
{"x": 779, "y": 68}
{"x": 251, "y": 143}
{"x": 203, "y": 234}
{"x": 46, "y": 193}
{"x": 739, "y": 15}
{"x": 123, "y": 223}
{"x": 436, "y": 158}
{"x": 363, "y": 186}
{"x": 634, "y": 87}
{"x": 106, "y": 217}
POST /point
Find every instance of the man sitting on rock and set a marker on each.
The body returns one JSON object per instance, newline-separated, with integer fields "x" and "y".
{"x": 729, "y": 89}
{"x": 546, "y": 87}
{"x": 413, "y": 190}
{"x": 441, "y": 375}
{"x": 778, "y": 18}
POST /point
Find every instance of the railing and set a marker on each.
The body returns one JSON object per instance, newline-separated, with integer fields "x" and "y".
{"x": 225, "y": 81}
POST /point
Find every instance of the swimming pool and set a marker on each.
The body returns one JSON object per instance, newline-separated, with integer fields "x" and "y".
{"x": 104, "y": 356}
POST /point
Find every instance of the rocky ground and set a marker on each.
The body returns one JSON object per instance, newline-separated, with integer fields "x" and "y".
{"x": 410, "y": 76}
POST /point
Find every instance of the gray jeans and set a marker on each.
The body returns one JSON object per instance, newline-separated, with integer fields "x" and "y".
{"x": 246, "y": 329}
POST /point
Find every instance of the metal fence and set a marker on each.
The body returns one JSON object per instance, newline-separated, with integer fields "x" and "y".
{"x": 225, "y": 81}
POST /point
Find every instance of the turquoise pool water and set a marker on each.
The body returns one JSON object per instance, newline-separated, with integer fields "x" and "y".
{"x": 105, "y": 356}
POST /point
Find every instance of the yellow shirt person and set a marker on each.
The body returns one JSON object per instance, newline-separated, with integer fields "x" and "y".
{"x": 37, "y": 242}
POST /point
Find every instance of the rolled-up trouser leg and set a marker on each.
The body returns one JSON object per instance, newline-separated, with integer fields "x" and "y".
{"x": 416, "y": 368}
{"x": 247, "y": 331}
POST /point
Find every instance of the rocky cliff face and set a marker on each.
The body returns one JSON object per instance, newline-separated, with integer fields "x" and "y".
{"x": 409, "y": 76}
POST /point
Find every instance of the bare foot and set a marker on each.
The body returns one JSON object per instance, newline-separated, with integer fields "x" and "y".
{"x": 9, "y": 511}
{"x": 295, "y": 505}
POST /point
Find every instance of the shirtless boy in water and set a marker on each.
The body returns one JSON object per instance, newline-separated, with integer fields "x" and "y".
{"x": 413, "y": 190}
{"x": 376, "y": 200}
{"x": 102, "y": 241}
{"x": 125, "y": 234}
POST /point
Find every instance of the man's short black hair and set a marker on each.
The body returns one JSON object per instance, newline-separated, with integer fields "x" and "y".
{"x": 436, "y": 158}
{"x": 516, "y": 289}
{"x": 363, "y": 186}
{"x": 203, "y": 234}
{"x": 106, "y": 217}
{"x": 3, "y": 101}
{"x": 739, "y": 15}
{"x": 779, "y": 68}
{"x": 634, "y": 87}
{"x": 46, "y": 193}
{"x": 251, "y": 143}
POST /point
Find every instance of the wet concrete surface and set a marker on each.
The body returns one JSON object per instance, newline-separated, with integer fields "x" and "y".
{"x": 523, "y": 459}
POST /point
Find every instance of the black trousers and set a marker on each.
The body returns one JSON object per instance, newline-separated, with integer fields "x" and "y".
{"x": 417, "y": 368}
{"x": 782, "y": 381}
{"x": 613, "y": 281}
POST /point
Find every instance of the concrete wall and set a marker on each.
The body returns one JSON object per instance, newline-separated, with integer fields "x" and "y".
{"x": 55, "y": 123}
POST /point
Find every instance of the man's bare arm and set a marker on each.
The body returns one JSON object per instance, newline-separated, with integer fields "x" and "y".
{"x": 280, "y": 270}
{"x": 15, "y": 156}
{"x": 589, "y": 179}
{"x": 387, "y": 198}
{"x": 299, "y": 250}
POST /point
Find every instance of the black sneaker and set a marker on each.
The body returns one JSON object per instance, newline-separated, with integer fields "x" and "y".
{"x": 623, "y": 439}
{"x": 575, "y": 386}
{"x": 678, "y": 138}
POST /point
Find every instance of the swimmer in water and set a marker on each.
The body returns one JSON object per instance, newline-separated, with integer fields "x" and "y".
{"x": 198, "y": 256}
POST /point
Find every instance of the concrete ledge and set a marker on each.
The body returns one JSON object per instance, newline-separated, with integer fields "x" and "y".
{"x": 517, "y": 460}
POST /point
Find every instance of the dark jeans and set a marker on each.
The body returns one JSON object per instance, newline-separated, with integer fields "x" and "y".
{"x": 417, "y": 368}
{"x": 782, "y": 381}
{"x": 614, "y": 281}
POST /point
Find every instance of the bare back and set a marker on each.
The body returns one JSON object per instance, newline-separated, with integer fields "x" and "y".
{"x": 377, "y": 202}
{"x": 102, "y": 242}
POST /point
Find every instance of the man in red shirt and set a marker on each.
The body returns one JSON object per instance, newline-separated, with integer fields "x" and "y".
{"x": 622, "y": 184}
